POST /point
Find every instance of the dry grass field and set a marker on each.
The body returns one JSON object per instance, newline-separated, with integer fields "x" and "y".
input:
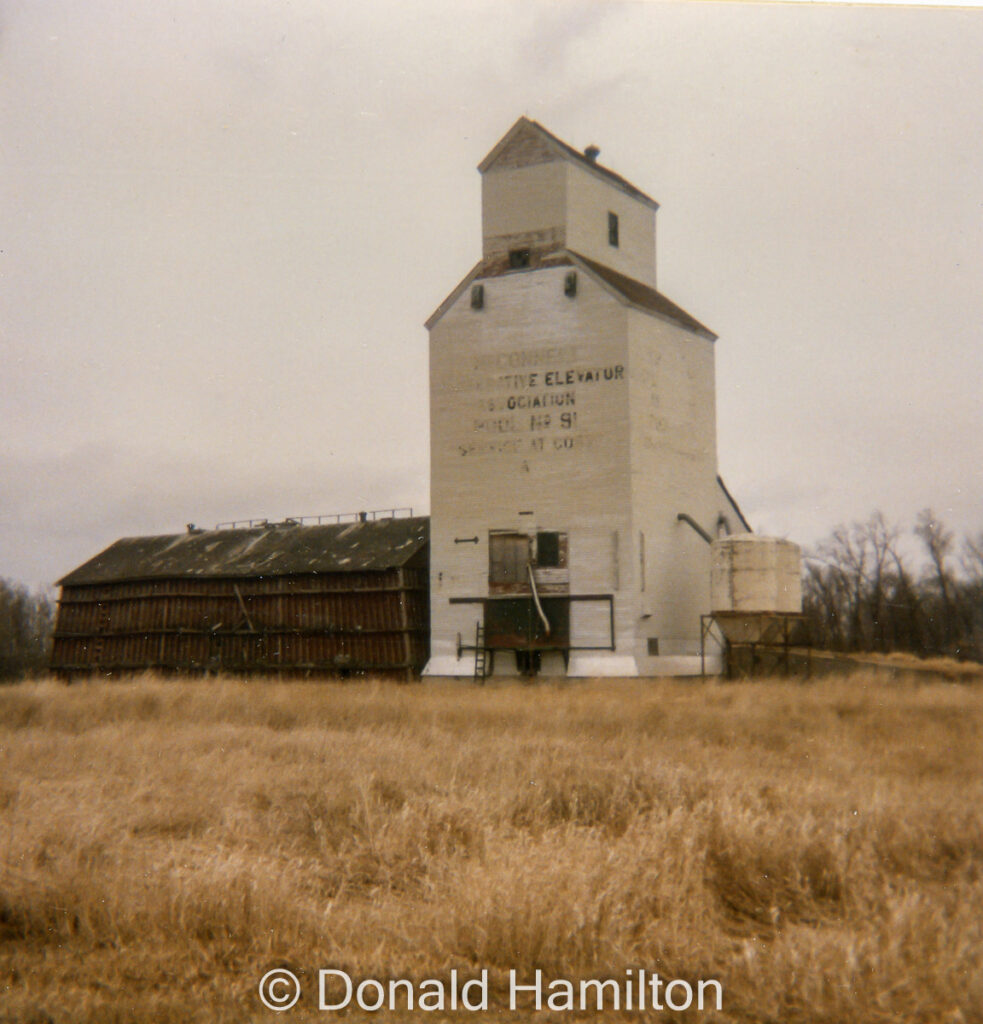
{"x": 817, "y": 848}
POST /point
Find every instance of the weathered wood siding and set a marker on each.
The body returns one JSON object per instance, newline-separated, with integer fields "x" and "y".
{"x": 524, "y": 207}
{"x": 336, "y": 623}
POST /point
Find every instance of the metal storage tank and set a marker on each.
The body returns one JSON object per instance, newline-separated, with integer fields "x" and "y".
{"x": 751, "y": 573}
{"x": 755, "y": 588}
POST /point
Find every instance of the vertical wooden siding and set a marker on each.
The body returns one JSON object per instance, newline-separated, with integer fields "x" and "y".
{"x": 331, "y": 624}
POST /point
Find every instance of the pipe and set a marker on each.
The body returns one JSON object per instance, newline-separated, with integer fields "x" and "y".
{"x": 683, "y": 517}
{"x": 535, "y": 597}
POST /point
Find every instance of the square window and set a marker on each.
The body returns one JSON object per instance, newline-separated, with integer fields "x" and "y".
{"x": 613, "y": 229}
{"x": 518, "y": 258}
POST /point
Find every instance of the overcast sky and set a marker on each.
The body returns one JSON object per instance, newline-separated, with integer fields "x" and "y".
{"x": 225, "y": 221}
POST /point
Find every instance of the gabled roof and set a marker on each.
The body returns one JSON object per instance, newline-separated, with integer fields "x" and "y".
{"x": 525, "y": 127}
{"x": 279, "y": 550}
{"x": 643, "y": 296}
{"x": 453, "y": 296}
{"x": 624, "y": 288}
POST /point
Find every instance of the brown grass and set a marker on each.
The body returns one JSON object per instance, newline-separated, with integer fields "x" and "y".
{"x": 898, "y": 665}
{"x": 817, "y": 848}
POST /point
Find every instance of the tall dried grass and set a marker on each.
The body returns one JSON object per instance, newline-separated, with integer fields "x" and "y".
{"x": 816, "y": 848}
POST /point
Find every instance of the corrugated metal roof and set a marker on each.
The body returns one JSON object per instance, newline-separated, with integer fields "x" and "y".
{"x": 279, "y": 550}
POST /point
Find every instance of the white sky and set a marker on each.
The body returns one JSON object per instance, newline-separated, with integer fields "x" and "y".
{"x": 225, "y": 221}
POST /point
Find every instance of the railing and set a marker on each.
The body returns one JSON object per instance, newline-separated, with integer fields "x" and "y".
{"x": 333, "y": 517}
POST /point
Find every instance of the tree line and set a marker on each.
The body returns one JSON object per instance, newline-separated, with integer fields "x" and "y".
{"x": 861, "y": 592}
{"x": 26, "y": 625}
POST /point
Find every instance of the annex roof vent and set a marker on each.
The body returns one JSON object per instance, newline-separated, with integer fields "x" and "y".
{"x": 592, "y": 153}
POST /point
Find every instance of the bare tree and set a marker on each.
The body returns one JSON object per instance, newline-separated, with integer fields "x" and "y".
{"x": 972, "y": 597}
{"x": 883, "y": 541}
{"x": 860, "y": 594}
{"x": 822, "y": 601}
{"x": 937, "y": 541}
{"x": 26, "y": 625}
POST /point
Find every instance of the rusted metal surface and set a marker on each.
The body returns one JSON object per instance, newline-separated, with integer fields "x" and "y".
{"x": 513, "y": 627}
{"x": 513, "y": 624}
{"x": 369, "y": 620}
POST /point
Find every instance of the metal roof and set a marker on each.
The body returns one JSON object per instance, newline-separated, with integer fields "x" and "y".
{"x": 524, "y": 124}
{"x": 635, "y": 292}
{"x": 642, "y": 295}
{"x": 277, "y": 550}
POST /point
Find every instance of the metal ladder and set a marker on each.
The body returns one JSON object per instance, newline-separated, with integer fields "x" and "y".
{"x": 480, "y": 653}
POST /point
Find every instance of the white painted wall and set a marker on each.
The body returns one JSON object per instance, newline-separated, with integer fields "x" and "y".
{"x": 523, "y": 205}
{"x": 673, "y": 468}
{"x": 494, "y": 456}
{"x": 588, "y": 201}
{"x": 560, "y": 202}
{"x": 596, "y": 418}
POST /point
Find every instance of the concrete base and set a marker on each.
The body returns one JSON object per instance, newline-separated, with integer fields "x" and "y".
{"x": 585, "y": 665}
{"x": 683, "y": 665}
{"x": 450, "y": 665}
{"x": 592, "y": 663}
{"x": 626, "y": 667}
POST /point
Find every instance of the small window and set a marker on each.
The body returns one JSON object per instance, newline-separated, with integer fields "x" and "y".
{"x": 518, "y": 258}
{"x": 653, "y": 646}
{"x": 570, "y": 284}
{"x": 613, "y": 229}
{"x": 477, "y": 296}
{"x": 548, "y": 550}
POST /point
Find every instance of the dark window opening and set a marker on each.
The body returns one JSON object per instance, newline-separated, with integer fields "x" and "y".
{"x": 518, "y": 258}
{"x": 478, "y": 296}
{"x": 570, "y": 284}
{"x": 548, "y": 550}
{"x": 653, "y": 646}
{"x": 613, "y": 229}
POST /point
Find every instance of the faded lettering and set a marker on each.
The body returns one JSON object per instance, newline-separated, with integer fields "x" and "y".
{"x": 527, "y": 398}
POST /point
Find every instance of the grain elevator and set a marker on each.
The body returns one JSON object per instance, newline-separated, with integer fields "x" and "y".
{"x": 574, "y": 484}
